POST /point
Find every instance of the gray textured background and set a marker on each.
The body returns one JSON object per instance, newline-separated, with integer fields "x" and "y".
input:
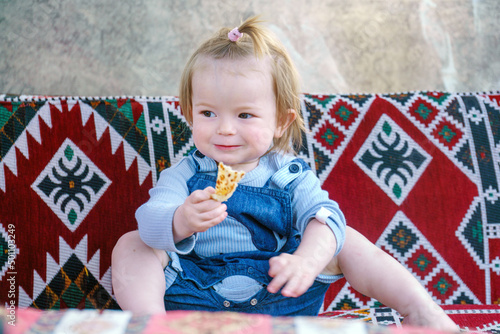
{"x": 139, "y": 47}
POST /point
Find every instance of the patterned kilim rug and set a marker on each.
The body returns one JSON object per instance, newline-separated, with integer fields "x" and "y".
{"x": 417, "y": 173}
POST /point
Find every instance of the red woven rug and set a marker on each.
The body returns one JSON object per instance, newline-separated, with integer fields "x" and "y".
{"x": 417, "y": 173}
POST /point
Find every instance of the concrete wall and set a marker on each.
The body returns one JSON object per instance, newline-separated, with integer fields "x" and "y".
{"x": 139, "y": 47}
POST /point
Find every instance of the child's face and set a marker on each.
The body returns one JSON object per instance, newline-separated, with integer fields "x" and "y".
{"x": 234, "y": 110}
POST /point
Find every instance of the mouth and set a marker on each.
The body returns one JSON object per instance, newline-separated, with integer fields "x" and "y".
{"x": 226, "y": 147}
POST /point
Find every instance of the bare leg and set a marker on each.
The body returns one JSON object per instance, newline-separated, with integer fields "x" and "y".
{"x": 137, "y": 275}
{"x": 375, "y": 273}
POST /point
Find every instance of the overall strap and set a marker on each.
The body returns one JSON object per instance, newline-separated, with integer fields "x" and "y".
{"x": 288, "y": 173}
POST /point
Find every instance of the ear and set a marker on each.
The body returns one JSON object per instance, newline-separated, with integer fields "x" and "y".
{"x": 285, "y": 123}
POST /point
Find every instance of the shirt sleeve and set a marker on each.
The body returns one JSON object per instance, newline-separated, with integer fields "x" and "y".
{"x": 308, "y": 198}
{"x": 155, "y": 217}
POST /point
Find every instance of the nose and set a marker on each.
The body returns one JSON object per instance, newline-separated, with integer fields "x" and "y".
{"x": 226, "y": 127}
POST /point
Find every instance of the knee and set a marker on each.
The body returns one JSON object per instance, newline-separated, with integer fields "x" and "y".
{"x": 126, "y": 242}
{"x": 130, "y": 245}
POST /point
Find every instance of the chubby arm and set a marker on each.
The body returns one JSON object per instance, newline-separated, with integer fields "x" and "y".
{"x": 308, "y": 199}
{"x": 155, "y": 217}
{"x": 171, "y": 217}
{"x": 320, "y": 242}
{"x": 197, "y": 214}
{"x": 296, "y": 272}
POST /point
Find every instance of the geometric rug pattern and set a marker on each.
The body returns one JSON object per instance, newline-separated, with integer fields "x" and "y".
{"x": 70, "y": 184}
{"x": 405, "y": 242}
{"x": 417, "y": 173}
{"x": 71, "y": 282}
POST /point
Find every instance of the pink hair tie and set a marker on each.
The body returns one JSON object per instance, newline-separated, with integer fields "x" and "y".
{"x": 234, "y": 35}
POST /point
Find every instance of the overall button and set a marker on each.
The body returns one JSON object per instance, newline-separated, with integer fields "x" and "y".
{"x": 227, "y": 303}
{"x": 253, "y": 302}
{"x": 251, "y": 270}
{"x": 294, "y": 168}
{"x": 222, "y": 271}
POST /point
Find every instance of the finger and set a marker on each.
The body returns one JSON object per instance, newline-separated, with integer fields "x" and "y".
{"x": 211, "y": 218}
{"x": 295, "y": 286}
{"x": 199, "y": 196}
{"x": 202, "y": 224}
{"x": 204, "y": 203}
{"x": 276, "y": 283}
{"x": 210, "y": 190}
{"x": 281, "y": 274}
{"x": 276, "y": 264}
{"x": 210, "y": 211}
{"x": 217, "y": 220}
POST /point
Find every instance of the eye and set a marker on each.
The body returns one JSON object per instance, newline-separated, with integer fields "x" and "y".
{"x": 207, "y": 113}
{"x": 245, "y": 115}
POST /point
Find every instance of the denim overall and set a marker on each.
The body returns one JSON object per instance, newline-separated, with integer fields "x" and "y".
{"x": 265, "y": 212}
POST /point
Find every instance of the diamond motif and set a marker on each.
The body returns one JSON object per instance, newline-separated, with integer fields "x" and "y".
{"x": 402, "y": 239}
{"x": 344, "y": 113}
{"x": 424, "y": 111}
{"x": 491, "y": 194}
{"x": 392, "y": 159}
{"x": 71, "y": 184}
{"x": 422, "y": 262}
{"x": 436, "y": 274}
{"x": 158, "y": 125}
{"x": 475, "y": 115}
{"x": 330, "y": 136}
{"x": 442, "y": 286}
{"x": 447, "y": 134}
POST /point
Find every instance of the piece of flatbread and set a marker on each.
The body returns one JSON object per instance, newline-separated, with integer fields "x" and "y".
{"x": 227, "y": 181}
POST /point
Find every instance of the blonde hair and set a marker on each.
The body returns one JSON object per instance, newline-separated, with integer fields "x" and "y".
{"x": 255, "y": 40}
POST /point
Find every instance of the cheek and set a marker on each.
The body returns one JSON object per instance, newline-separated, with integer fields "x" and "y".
{"x": 262, "y": 137}
{"x": 199, "y": 133}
